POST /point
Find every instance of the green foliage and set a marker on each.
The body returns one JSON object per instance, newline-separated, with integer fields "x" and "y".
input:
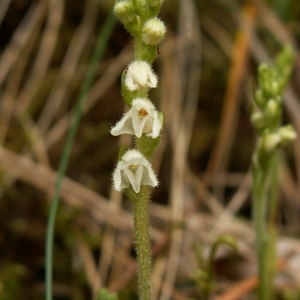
{"x": 147, "y": 145}
{"x": 290, "y": 294}
{"x": 104, "y": 294}
{"x": 266, "y": 118}
{"x": 205, "y": 277}
{"x": 11, "y": 278}
{"x": 97, "y": 55}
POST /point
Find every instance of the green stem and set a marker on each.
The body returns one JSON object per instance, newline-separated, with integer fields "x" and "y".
{"x": 143, "y": 51}
{"x": 261, "y": 234}
{"x": 98, "y": 53}
{"x": 263, "y": 185}
{"x": 138, "y": 45}
{"x": 142, "y": 242}
{"x": 272, "y": 80}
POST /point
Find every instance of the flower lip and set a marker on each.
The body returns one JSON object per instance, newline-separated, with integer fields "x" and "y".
{"x": 139, "y": 75}
{"x": 141, "y": 118}
{"x": 133, "y": 170}
{"x": 142, "y": 113}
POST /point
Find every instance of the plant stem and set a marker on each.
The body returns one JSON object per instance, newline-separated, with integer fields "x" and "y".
{"x": 266, "y": 118}
{"x": 142, "y": 242}
{"x": 264, "y": 192}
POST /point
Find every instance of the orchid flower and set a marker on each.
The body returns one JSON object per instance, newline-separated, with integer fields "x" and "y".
{"x": 139, "y": 75}
{"x": 141, "y": 118}
{"x": 133, "y": 170}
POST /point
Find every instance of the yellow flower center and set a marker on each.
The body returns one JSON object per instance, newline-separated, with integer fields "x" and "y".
{"x": 142, "y": 113}
{"x": 132, "y": 167}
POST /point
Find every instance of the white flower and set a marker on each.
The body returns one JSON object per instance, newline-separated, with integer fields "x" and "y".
{"x": 141, "y": 118}
{"x": 133, "y": 170}
{"x": 140, "y": 76}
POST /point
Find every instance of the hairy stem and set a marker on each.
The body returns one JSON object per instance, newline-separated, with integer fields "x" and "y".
{"x": 142, "y": 242}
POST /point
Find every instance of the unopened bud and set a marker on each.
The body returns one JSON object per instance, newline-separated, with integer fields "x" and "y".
{"x": 272, "y": 108}
{"x": 153, "y": 31}
{"x": 287, "y": 134}
{"x": 271, "y": 142}
{"x": 124, "y": 11}
{"x": 258, "y": 119}
{"x": 260, "y": 98}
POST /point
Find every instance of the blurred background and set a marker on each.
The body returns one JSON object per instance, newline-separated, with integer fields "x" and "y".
{"x": 207, "y": 68}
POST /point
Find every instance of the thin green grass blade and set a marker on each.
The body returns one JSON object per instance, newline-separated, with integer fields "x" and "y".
{"x": 96, "y": 57}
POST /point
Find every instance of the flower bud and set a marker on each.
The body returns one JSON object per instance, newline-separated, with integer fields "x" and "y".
{"x": 271, "y": 142}
{"x": 124, "y": 11}
{"x": 260, "y": 98}
{"x": 287, "y": 134}
{"x": 272, "y": 108}
{"x": 153, "y": 31}
{"x": 258, "y": 119}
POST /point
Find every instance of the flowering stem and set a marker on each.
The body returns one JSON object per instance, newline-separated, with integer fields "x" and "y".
{"x": 264, "y": 194}
{"x": 142, "y": 241}
{"x": 266, "y": 117}
{"x": 134, "y": 172}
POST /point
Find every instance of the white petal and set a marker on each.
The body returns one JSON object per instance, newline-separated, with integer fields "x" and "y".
{"x": 146, "y": 124}
{"x": 138, "y": 124}
{"x": 132, "y": 156}
{"x": 139, "y": 103}
{"x": 140, "y": 73}
{"x": 131, "y": 178}
{"x": 149, "y": 177}
{"x": 138, "y": 179}
{"x": 124, "y": 126}
{"x": 125, "y": 183}
{"x": 130, "y": 82}
{"x": 152, "y": 82}
{"x": 117, "y": 178}
{"x": 156, "y": 127}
